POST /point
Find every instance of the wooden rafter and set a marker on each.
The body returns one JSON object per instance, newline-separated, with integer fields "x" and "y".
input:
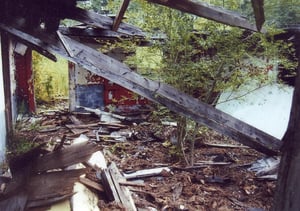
{"x": 120, "y": 15}
{"x": 210, "y": 12}
{"x": 103, "y": 22}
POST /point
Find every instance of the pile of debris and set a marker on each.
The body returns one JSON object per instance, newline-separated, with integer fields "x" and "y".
{"x": 107, "y": 161}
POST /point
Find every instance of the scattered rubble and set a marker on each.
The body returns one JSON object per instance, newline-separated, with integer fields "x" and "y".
{"x": 81, "y": 160}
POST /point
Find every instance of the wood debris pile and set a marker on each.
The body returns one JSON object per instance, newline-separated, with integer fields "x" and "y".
{"x": 127, "y": 164}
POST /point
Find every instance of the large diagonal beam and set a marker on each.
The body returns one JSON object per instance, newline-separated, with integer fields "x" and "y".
{"x": 164, "y": 94}
{"x": 210, "y": 12}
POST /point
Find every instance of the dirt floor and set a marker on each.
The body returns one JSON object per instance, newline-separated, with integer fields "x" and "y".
{"x": 220, "y": 180}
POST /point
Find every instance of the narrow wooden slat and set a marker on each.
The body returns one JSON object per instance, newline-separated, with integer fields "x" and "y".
{"x": 123, "y": 192}
{"x": 210, "y": 12}
{"x": 109, "y": 187}
{"x": 91, "y": 184}
{"x": 120, "y": 15}
{"x": 103, "y": 22}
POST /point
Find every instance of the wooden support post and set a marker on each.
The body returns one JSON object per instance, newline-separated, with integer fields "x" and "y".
{"x": 258, "y": 8}
{"x": 120, "y": 15}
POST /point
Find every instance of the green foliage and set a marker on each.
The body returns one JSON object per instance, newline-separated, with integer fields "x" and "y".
{"x": 50, "y": 78}
{"x": 19, "y": 145}
{"x": 278, "y": 13}
{"x": 202, "y": 58}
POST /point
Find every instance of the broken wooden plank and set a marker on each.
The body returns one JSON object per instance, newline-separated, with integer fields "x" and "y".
{"x": 79, "y": 131}
{"x": 210, "y": 12}
{"x": 135, "y": 184}
{"x": 92, "y": 33}
{"x": 120, "y": 15}
{"x": 53, "y": 184}
{"x": 111, "y": 178}
{"x": 74, "y": 154}
{"x": 104, "y": 22}
{"x": 109, "y": 186}
{"x": 39, "y": 47}
{"x": 83, "y": 126}
{"x": 123, "y": 191}
{"x": 164, "y": 94}
{"x": 75, "y": 120}
{"x": 225, "y": 145}
{"x": 64, "y": 43}
{"x": 146, "y": 173}
{"x": 212, "y": 163}
{"x": 91, "y": 184}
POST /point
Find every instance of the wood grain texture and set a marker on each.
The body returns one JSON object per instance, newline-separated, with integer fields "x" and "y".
{"x": 210, "y": 12}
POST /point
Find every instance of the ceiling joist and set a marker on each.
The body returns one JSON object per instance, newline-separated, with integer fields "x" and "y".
{"x": 207, "y": 11}
{"x": 103, "y": 22}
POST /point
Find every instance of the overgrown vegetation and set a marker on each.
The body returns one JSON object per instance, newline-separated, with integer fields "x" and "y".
{"x": 199, "y": 57}
{"x": 203, "y": 58}
{"x": 50, "y": 78}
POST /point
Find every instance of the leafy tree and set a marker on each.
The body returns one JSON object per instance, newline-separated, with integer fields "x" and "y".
{"x": 202, "y": 58}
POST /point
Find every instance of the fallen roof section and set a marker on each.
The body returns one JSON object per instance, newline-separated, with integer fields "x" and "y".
{"x": 164, "y": 94}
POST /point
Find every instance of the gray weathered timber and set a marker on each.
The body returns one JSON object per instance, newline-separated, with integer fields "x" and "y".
{"x": 74, "y": 154}
{"x": 103, "y": 22}
{"x": 52, "y": 184}
{"x": 164, "y": 94}
{"x": 210, "y": 12}
{"x": 92, "y": 33}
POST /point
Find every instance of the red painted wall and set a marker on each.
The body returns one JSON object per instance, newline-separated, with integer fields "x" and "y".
{"x": 24, "y": 78}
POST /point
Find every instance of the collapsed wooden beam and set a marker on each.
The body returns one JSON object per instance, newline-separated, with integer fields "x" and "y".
{"x": 210, "y": 12}
{"x": 103, "y": 22}
{"x": 164, "y": 94}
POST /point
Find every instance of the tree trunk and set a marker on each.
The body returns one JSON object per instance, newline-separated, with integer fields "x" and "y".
{"x": 288, "y": 186}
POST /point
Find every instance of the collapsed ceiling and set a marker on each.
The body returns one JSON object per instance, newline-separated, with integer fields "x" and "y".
{"x": 40, "y": 33}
